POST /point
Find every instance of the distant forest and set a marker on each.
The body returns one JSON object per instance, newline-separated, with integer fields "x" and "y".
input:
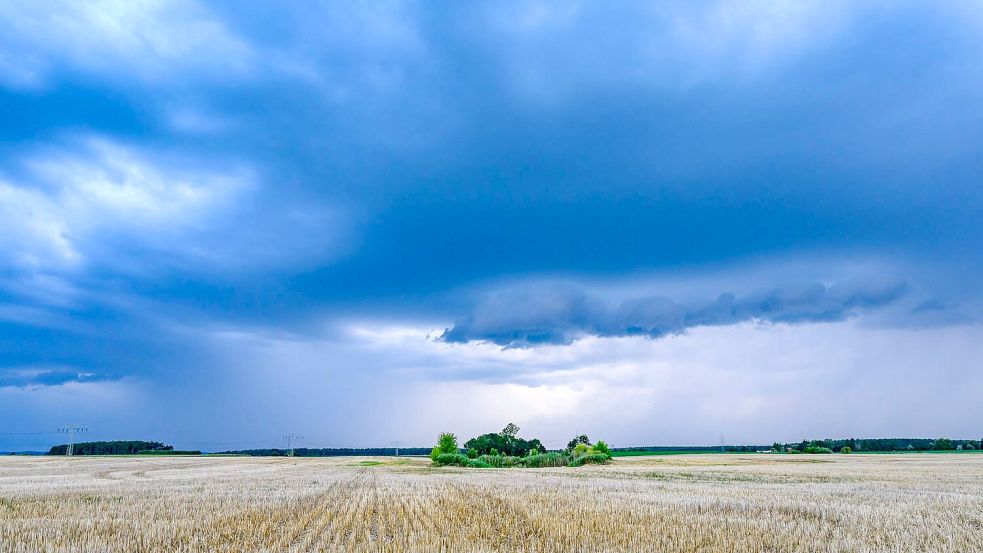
{"x": 889, "y": 444}
{"x": 132, "y": 447}
{"x": 331, "y": 452}
{"x": 127, "y": 447}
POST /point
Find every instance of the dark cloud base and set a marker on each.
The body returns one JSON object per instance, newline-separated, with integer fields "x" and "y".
{"x": 554, "y": 313}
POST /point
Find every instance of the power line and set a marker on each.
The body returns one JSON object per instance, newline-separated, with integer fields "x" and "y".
{"x": 290, "y": 439}
{"x": 71, "y": 430}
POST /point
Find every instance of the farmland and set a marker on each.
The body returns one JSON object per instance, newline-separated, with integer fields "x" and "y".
{"x": 703, "y": 502}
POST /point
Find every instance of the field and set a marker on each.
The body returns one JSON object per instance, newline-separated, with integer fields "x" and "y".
{"x": 700, "y": 502}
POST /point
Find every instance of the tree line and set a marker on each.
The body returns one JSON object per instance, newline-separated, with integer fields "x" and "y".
{"x": 850, "y": 445}
{"x": 330, "y": 452}
{"x": 119, "y": 447}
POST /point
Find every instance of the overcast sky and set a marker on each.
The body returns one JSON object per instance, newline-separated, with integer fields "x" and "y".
{"x": 651, "y": 222}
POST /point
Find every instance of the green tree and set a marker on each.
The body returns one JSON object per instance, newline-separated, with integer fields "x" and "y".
{"x": 581, "y": 439}
{"x": 510, "y": 430}
{"x": 602, "y": 447}
{"x": 446, "y": 443}
{"x": 943, "y": 444}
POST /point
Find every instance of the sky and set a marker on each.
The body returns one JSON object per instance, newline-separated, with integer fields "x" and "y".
{"x": 363, "y": 222}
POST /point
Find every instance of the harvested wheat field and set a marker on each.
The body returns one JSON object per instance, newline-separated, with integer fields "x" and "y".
{"x": 675, "y": 503}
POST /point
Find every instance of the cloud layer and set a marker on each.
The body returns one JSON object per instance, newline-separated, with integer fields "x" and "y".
{"x": 552, "y": 313}
{"x": 171, "y": 167}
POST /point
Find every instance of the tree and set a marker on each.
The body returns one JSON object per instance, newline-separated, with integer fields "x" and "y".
{"x": 510, "y": 430}
{"x": 602, "y": 447}
{"x": 777, "y": 447}
{"x": 446, "y": 443}
{"x": 943, "y": 444}
{"x": 581, "y": 439}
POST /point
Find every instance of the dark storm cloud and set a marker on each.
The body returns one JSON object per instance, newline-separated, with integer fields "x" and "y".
{"x": 559, "y": 313}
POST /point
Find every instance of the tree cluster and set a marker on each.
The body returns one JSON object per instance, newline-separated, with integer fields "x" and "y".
{"x": 505, "y": 442}
{"x": 505, "y": 449}
{"x": 127, "y": 447}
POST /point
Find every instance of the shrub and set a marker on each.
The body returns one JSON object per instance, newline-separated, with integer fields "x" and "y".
{"x": 472, "y": 453}
{"x": 580, "y": 449}
{"x": 596, "y": 458}
{"x": 602, "y": 447}
{"x": 846, "y": 449}
{"x": 818, "y": 449}
{"x": 453, "y": 459}
{"x": 795, "y": 451}
{"x": 970, "y": 447}
{"x": 434, "y": 453}
{"x": 478, "y": 464}
{"x": 493, "y": 452}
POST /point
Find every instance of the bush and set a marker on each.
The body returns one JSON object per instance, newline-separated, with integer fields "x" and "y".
{"x": 596, "y": 458}
{"x": 452, "y": 459}
{"x": 846, "y": 449}
{"x": 970, "y": 447}
{"x": 602, "y": 447}
{"x": 818, "y": 449}
{"x": 472, "y": 453}
{"x": 580, "y": 450}
{"x": 478, "y": 464}
{"x": 795, "y": 451}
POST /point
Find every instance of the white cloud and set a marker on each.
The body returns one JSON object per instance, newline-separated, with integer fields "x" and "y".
{"x": 150, "y": 40}
{"x": 75, "y": 197}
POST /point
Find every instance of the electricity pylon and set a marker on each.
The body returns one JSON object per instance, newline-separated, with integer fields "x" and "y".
{"x": 397, "y": 444}
{"x": 290, "y": 439}
{"x": 71, "y": 431}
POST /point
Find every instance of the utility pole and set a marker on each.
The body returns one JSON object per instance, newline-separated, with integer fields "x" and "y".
{"x": 71, "y": 431}
{"x": 397, "y": 444}
{"x": 721, "y": 443}
{"x": 290, "y": 440}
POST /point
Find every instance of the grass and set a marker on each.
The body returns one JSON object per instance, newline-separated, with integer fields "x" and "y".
{"x": 687, "y": 503}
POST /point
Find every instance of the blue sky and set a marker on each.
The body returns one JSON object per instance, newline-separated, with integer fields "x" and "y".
{"x": 364, "y": 222}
